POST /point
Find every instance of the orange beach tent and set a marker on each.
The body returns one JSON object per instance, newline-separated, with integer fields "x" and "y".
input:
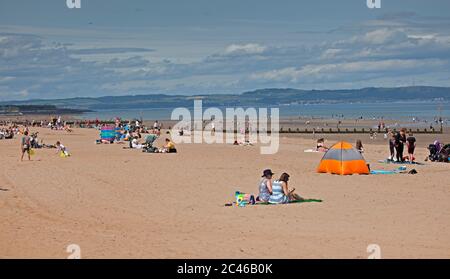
{"x": 343, "y": 159}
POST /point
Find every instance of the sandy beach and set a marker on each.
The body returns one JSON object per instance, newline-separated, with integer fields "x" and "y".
{"x": 119, "y": 203}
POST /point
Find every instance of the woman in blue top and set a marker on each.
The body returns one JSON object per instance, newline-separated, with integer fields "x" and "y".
{"x": 280, "y": 191}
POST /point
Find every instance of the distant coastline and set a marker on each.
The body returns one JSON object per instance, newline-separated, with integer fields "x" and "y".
{"x": 402, "y": 103}
{"x": 19, "y": 110}
{"x": 257, "y": 98}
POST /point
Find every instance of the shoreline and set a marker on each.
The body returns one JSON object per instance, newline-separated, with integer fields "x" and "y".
{"x": 286, "y": 124}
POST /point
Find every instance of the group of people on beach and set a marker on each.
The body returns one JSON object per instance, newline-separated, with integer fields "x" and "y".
{"x": 29, "y": 142}
{"x": 6, "y": 133}
{"x": 54, "y": 123}
{"x": 397, "y": 143}
{"x": 132, "y": 132}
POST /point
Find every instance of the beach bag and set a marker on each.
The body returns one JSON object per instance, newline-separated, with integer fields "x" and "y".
{"x": 31, "y": 152}
{"x": 243, "y": 199}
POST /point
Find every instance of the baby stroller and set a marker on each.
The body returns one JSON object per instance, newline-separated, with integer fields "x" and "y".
{"x": 438, "y": 153}
{"x": 148, "y": 148}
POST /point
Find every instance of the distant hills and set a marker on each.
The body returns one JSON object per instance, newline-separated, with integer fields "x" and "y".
{"x": 261, "y": 97}
{"x": 36, "y": 109}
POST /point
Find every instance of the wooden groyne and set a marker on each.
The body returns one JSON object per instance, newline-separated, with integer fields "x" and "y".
{"x": 357, "y": 131}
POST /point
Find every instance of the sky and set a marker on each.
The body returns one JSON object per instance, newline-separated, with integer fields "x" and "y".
{"x": 189, "y": 47}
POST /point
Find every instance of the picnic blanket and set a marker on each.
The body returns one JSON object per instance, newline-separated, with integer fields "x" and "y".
{"x": 311, "y": 151}
{"x": 267, "y": 203}
{"x": 401, "y": 169}
{"x": 302, "y": 201}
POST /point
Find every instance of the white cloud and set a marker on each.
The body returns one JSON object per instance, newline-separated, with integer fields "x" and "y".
{"x": 374, "y": 54}
{"x": 236, "y": 49}
{"x": 382, "y": 36}
{"x": 312, "y": 73}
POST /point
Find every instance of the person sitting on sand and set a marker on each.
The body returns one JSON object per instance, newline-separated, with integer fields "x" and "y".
{"x": 26, "y": 146}
{"x": 359, "y": 146}
{"x": 135, "y": 143}
{"x": 169, "y": 147}
{"x": 321, "y": 145}
{"x": 265, "y": 186}
{"x": 281, "y": 193}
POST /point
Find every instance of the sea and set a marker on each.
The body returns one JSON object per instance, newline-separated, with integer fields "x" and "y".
{"x": 399, "y": 111}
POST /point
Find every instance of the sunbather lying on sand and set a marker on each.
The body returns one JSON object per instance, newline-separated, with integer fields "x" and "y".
{"x": 245, "y": 143}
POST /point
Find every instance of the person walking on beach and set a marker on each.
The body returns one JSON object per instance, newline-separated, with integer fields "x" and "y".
{"x": 411, "y": 143}
{"x": 400, "y": 140}
{"x": 26, "y": 146}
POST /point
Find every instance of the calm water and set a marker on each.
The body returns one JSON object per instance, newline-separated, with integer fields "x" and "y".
{"x": 393, "y": 110}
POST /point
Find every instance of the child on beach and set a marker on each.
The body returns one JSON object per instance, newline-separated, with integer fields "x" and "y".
{"x": 411, "y": 143}
{"x": 61, "y": 149}
{"x": 26, "y": 146}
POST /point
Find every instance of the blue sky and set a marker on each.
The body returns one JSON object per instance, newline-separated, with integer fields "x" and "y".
{"x": 211, "y": 46}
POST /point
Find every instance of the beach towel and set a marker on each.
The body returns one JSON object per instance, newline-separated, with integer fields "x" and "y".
{"x": 311, "y": 151}
{"x": 401, "y": 169}
{"x": 267, "y": 203}
{"x": 302, "y": 201}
